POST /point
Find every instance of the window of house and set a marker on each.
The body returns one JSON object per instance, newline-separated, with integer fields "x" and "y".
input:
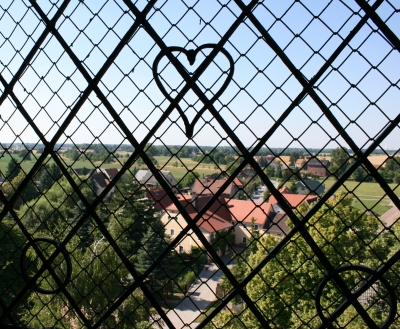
{"x": 172, "y": 232}
{"x": 244, "y": 239}
{"x": 256, "y": 227}
{"x": 181, "y": 250}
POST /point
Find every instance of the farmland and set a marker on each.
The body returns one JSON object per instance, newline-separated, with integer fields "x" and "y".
{"x": 366, "y": 195}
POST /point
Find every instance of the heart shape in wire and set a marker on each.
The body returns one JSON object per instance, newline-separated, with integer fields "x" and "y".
{"x": 191, "y": 79}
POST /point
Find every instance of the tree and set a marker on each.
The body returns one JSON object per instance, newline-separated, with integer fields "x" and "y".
{"x": 153, "y": 244}
{"x": 13, "y": 169}
{"x": 266, "y": 195}
{"x": 29, "y": 192}
{"x": 284, "y": 290}
{"x": 57, "y": 205}
{"x": 189, "y": 179}
{"x": 129, "y": 215}
{"x": 294, "y": 156}
{"x": 270, "y": 171}
{"x": 25, "y": 155}
{"x": 48, "y": 175}
{"x": 97, "y": 275}
{"x": 232, "y": 166}
{"x": 340, "y": 161}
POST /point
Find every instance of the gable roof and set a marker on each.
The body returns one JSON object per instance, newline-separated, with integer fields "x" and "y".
{"x": 285, "y": 190}
{"x": 220, "y": 214}
{"x": 101, "y": 179}
{"x": 206, "y": 186}
{"x": 318, "y": 163}
{"x": 245, "y": 210}
{"x": 294, "y": 200}
{"x": 146, "y": 177}
{"x": 278, "y": 224}
{"x": 110, "y": 172}
{"x": 313, "y": 185}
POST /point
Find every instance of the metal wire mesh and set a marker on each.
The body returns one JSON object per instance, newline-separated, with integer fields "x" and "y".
{"x": 209, "y": 164}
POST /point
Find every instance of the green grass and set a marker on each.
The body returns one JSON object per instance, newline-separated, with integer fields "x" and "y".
{"x": 367, "y": 196}
{"x": 362, "y": 189}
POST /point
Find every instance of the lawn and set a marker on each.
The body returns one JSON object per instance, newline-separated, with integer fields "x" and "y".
{"x": 367, "y": 196}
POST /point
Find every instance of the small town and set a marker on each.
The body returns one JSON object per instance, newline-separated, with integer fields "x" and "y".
{"x": 239, "y": 211}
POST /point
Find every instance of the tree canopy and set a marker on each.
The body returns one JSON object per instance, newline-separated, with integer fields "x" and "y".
{"x": 284, "y": 290}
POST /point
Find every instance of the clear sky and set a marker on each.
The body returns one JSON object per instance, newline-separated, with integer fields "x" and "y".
{"x": 361, "y": 88}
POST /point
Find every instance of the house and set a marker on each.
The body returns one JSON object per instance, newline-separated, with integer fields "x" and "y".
{"x": 208, "y": 186}
{"x": 299, "y": 164}
{"x": 146, "y": 177}
{"x": 293, "y": 200}
{"x": 318, "y": 167}
{"x": 246, "y": 216}
{"x": 100, "y": 178}
{"x": 309, "y": 186}
{"x": 213, "y": 222}
{"x": 224, "y": 215}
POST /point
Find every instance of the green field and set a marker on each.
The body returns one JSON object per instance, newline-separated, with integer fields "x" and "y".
{"x": 164, "y": 163}
{"x": 366, "y": 195}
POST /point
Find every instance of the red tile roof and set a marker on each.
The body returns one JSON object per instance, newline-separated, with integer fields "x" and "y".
{"x": 294, "y": 200}
{"x": 244, "y": 211}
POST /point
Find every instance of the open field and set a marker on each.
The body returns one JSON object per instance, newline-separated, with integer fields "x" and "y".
{"x": 367, "y": 195}
{"x": 375, "y": 159}
{"x": 164, "y": 163}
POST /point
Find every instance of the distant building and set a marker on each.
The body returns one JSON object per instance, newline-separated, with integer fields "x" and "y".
{"x": 293, "y": 200}
{"x": 308, "y": 186}
{"x": 207, "y": 186}
{"x": 100, "y": 178}
{"x": 318, "y": 167}
{"x": 146, "y": 177}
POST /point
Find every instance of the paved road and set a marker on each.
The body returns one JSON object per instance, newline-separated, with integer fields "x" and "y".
{"x": 258, "y": 195}
{"x": 200, "y": 295}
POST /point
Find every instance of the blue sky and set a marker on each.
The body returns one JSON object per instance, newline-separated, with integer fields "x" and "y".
{"x": 261, "y": 89}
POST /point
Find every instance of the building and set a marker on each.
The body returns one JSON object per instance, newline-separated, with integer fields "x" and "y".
{"x": 318, "y": 167}
{"x": 293, "y": 201}
{"x": 309, "y": 186}
{"x": 209, "y": 186}
{"x": 100, "y": 178}
{"x": 224, "y": 215}
{"x": 146, "y": 177}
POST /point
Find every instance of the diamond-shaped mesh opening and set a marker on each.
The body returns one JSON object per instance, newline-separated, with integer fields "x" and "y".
{"x": 215, "y": 164}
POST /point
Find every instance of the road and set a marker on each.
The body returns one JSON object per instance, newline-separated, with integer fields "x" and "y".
{"x": 200, "y": 295}
{"x": 258, "y": 194}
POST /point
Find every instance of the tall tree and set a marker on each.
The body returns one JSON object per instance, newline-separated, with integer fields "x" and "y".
{"x": 130, "y": 215}
{"x": 13, "y": 169}
{"x": 284, "y": 290}
{"x": 153, "y": 244}
{"x": 28, "y": 193}
{"x": 340, "y": 161}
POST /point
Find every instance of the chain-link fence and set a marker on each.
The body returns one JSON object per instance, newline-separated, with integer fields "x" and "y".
{"x": 208, "y": 164}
